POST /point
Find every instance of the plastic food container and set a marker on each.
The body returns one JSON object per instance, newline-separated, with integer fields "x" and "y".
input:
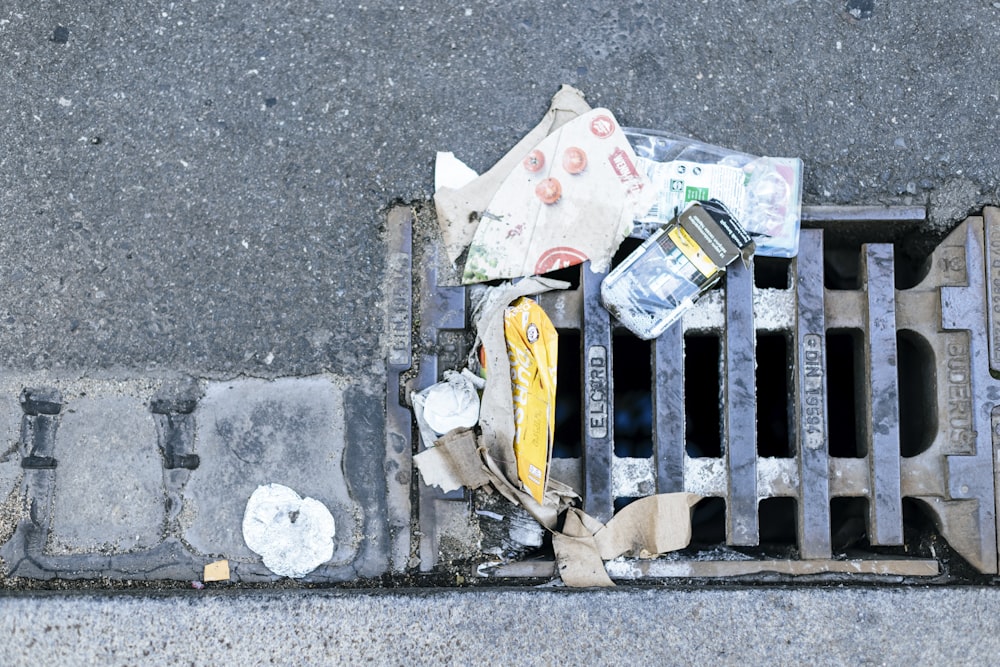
{"x": 651, "y": 289}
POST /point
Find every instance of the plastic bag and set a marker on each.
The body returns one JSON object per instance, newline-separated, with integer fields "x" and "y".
{"x": 764, "y": 193}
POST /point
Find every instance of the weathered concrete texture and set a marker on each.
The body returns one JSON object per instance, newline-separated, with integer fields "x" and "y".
{"x": 853, "y": 626}
{"x": 12, "y": 507}
{"x": 253, "y": 432}
{"x": 109, "y": 482}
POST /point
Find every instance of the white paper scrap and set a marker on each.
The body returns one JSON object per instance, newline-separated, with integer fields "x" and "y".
{"x": 450, "y": 172}
{"x": 451, "y": 404}
{"x": 293, "y": 535}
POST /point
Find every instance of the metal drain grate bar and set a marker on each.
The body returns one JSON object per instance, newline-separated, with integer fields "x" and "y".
{"x": 882, "y": 395}
{"x": 598, "y": 388}
{"x": 739, "y": 402}
{"x": 445, "y": 310}
{"x": 810, "y": 412}
{"x": 668, "y": 410}
{"x": 399, "y": 359}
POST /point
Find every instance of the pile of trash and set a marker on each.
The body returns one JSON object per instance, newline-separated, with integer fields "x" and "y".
{"x": 571, "y": 191}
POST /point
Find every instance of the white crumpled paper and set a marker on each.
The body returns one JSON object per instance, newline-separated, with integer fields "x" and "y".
{"x": 293, "y": 535}
{"x": 451, "y": 404}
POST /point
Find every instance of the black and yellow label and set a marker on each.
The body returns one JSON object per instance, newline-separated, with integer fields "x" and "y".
{"x": 690, "y": 249}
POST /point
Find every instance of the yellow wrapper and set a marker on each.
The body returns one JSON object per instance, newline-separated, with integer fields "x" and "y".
{"x": 532, "y": 346}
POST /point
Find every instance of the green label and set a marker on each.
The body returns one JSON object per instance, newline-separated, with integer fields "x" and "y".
{"x": 692, "y": 194}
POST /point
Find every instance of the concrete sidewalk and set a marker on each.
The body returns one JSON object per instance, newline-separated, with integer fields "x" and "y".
{"x": 836, "y": 626}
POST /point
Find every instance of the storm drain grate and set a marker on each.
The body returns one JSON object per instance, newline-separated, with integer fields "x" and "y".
{"x": 802, "y": 401}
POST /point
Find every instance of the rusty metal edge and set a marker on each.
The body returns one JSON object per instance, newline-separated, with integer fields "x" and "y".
{"x": 630, "y": 569}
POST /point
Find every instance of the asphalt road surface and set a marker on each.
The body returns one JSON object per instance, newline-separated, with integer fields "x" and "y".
{"x": 200, "y": 186}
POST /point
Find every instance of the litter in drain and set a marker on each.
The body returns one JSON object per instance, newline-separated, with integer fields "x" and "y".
{"x": 817, "y": 412}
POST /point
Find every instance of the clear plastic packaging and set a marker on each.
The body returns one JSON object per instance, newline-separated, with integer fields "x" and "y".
{"x": 655, "y": 284}
{"x": 765, "y": 194}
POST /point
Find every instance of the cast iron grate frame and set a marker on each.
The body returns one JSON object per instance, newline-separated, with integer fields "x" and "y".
{"x": 809, "y": 476}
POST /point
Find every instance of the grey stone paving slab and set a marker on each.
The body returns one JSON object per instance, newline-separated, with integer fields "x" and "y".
{"x": 252, "y": 432}
{"x": 148, "y": 478}
{"x": 94, "y": 503}
{"x": 109, "y": 484}
{"x": 12, "y": 507}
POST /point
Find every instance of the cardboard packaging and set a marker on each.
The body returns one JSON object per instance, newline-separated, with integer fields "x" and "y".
{"x": 571, "y": 198}
{"x": 532, "y": 346}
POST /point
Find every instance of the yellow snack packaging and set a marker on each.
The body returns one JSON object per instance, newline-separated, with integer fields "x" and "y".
{"x": 532, "y": 347}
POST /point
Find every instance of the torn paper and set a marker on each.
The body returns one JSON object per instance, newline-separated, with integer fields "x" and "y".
{"x": 644, "y": 529}
{"x": 578, "y": 558}
{"x": 458, "y": 209}
{"x": 648, "y": 527}
{"x": 450, "y": 172}
{"x": 293, "y": 535}
{"x": 453, "y": 462}
{"x": 573, "y": 198}
{"x": 458, "y": 460}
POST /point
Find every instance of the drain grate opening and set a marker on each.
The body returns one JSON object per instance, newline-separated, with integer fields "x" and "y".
{"x": 702, "y": 391}
{"x": 633, "y": 402}
{"x": 773, "y": 382}
{"x": 917, "y": 393}
{"x": 571, "y": 275}
{"x": 620, "y": 503}
{"x": 625, "y": 249}
{"x": 924, "y": 539}
{"x": 842, "y": 267}
{"x": 910, "y": 271}
{"x": 771, "y": 272}
{"x": 844, "y": 376}
{"x": 708, "y": 523}
{"x": 848, "y": 523}
{"x": 567, "y": 441}
{"x": 776, "y": 517}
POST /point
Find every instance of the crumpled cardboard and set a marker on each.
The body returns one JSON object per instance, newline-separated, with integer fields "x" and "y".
{"x": 458, "y": 209}
{"x": 532, "y": 347}
{"x": 496, "y": 415}
{"x": 578, "y": 558}
{"x": 645, "y": 528}
{"x": 453, "y": 462}
{"x": 573, "y": 198}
